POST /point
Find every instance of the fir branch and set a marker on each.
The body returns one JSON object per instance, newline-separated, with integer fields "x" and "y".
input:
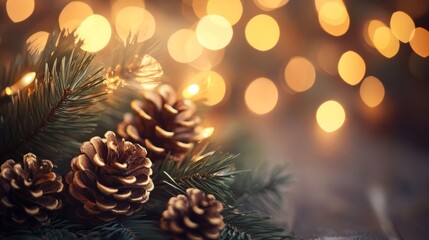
{"x": 50, "y": 119}
{"x": 128, "y": 67}
{"x": 262, "y": 189}
{"x": 213, "y": 174}
{"x": 250, "y": 225}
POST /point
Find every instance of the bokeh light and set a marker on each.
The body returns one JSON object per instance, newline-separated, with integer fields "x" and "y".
{"x": 351, "y": 67}
{"x": 73, "y": 14}
{"x": 207, "y": 85}
{"x": 370, "y": 29}
{"x": 183, "y": 46}
{"x": 385, "y": 42}
{"x": 37, "y": 41}
{"x": 95, "y": 31}
{"x": 330, "y": 116}
{"x": 118, "y": 5}
{"x": 420, "y": 42}
{"x": 333, "y": 17}
{"x": 402, "y": 26}
{"x": 371, "y": 91}
{"x": 135, "y": 20}
{"x": 214, "y": 32}
{"x": 231, "y": 10}
{"x": 300, "y": 74}
{"x": 261, "y": 96}
{"x": 191, "y": 90}
{"x": 200, "y": 7}
{"x": 208, "y": 59}
{"x": 268, "y": 5}
{"x": 19, "y": 10}
{"x": 262, "y": 32}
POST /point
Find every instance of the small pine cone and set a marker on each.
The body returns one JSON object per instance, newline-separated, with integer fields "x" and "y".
{"x": 194, "y": 216}
{"x": 110, "y": 179}
{"x": 29, "y": 191}
{"x": 163, "y": 124}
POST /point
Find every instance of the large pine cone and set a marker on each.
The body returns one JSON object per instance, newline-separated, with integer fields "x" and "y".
{"x": 109, "y": 179}
{"x": 29, "y": 191}
{"x": 162, "y": 123}
{"x": 194, "y": 216}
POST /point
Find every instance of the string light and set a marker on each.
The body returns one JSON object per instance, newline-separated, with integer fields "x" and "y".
{"x": 207, "y": 132}
{"x": 191, "y": 91}
{"x": 26, "y": 80}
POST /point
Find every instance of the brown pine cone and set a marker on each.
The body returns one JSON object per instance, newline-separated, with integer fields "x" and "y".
{"x": 109, "y": 179}
{"x": 29, "y": 191}
{"x": 194, "y": 216}
{"x": 163, "y": 124}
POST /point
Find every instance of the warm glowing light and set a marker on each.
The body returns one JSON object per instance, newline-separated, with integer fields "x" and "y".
{"x": 300, "y": 74}
{"x": 420, "y": 42}
{"x": 261, "y": 96}
{"x": 351, "y": 67}
{"x": 207, "y": 132}
{"x": 95, "y": 31}
{"x": 200, "y": 7}
{"x": 262, "y": 32}
{"x": 208, "y": 59}
{"x": 8, "y": 91}
{"x": 208, "y": 85}
{"x": 268, "y": 5}
{"x": 330, "y": 116}
{"x": 73, "y": 14}
{"x": 19, "y": 10}
{"x": 28, "y": 78}
{"x": 385, "y": 42}
{"x": 214, "y": 32}
{"x": 191, "y": 91}
{"x": 370, "y": 29}
{"x": 231, "y": 10}
{"x": 333, "y": 18}
{"x": 21, "y": 84}
{"x": 135, "y": 20}
{"x": 319, "y": 3}
{"x": 183, "y": 46}
{"x": 37, "y": 41}
{"x": 118, "y": 5}
{"x": 371, "y": 91}
{"x": 402, "y": 26}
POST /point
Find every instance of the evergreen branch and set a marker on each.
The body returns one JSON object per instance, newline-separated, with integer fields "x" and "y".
{"x": 127, "y": 69}
{"x": 212, "y": 174}
{"x": 61, "y": 109}
{"x": 250, "y": 225}
{"x": 262, "y": 189}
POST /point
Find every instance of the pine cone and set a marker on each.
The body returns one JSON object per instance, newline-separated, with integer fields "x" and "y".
{"x": 194, "y": 216}
{"x": 109, "y": 179}
{"x": 162, "y": 123}
{"x": 29, "y": 191}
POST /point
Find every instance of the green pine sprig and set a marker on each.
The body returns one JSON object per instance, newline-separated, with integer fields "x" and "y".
{"x": 250, "y": 225}
{"x": 213, "y": 174}
{"x": 50, "y": 119}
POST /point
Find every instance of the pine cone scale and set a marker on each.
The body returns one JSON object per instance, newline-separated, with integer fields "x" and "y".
{"x": 29, "y": 191}
{"x": 164, "y": 124}
{"x": 115, "y": 182}
{"x": 194, "y": 216}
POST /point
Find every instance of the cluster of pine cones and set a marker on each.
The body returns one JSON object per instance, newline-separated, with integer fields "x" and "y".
{"x": 111, "y": 178}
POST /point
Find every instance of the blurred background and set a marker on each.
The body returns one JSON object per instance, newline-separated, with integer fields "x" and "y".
{"x": 336, "y": 89}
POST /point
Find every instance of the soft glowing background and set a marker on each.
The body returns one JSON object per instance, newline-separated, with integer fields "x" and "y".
{"x": 339, "y": 89}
